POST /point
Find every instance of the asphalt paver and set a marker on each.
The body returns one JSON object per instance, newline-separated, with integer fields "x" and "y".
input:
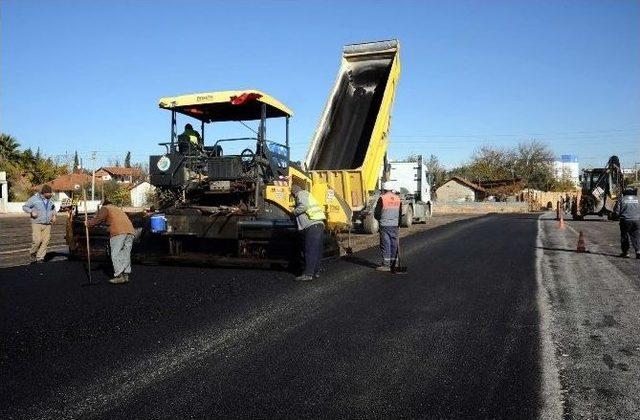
{"x": 457, "y": 336}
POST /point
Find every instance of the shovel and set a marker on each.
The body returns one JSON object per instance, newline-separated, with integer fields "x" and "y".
{"x": 349, "y": 249}
{"x": 397, "y": 268}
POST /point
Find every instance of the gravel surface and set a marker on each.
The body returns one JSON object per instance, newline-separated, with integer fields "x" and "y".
{"x": 595, "y": 321}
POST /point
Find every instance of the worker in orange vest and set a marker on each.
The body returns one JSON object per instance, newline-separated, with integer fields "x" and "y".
{"x": 388, "y": 212}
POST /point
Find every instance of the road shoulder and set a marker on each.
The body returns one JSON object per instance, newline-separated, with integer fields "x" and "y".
{"x": 594, "y": 323}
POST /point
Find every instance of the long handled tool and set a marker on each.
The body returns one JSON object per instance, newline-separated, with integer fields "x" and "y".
{"x": 349, "y": 249}
{"x": 86, "y": 231}
{"x": 397, "y": 268}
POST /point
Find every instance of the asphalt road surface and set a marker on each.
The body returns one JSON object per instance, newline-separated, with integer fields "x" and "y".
{"x": 457, "y": 336}
{"x": 15, "y": 239}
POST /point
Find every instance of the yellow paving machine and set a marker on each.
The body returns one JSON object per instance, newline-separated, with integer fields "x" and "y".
{"x": 227, "y": 200}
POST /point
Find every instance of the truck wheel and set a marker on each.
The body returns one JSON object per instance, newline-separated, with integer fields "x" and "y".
{"x": 370, "y": 224}
{"x": 407, "y": 219}
{"x": 577, "y": 217}
{"x": 428, "y": 213}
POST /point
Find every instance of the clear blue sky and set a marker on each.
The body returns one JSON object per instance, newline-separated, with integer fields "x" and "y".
{"x": 86, "y": 75}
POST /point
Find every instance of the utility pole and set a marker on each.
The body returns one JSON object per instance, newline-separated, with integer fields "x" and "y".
{"x": 93, "y": 176}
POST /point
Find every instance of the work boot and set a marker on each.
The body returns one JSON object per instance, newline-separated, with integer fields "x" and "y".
{"x": 383, "y": 268}
{"x": 126, "y": 277}
{"x": 304, "y": 277}
{"x": 624, "y": 255}
{"x": 118, "y": 279}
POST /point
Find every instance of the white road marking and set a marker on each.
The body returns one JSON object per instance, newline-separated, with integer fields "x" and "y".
{"x": 550, "y": 388}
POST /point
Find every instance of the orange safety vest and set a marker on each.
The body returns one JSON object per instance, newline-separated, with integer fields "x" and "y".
{"x": 390, "y": 213}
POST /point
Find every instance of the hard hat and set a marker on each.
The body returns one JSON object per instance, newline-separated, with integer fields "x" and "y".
{"x": 386, "y": 185}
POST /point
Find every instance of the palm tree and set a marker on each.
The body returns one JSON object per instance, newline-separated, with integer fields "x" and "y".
{"x": 8, "y": 147}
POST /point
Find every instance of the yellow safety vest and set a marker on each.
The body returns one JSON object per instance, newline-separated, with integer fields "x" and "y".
{"x": 314, "y": 210}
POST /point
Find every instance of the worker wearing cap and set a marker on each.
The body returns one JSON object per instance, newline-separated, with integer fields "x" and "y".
{"x": 628, "y": 209}
{"x": 310, "y": 220}
{"x": 388, "y": 212}
{"x": 43, "y": 214}
{"x": 121, "y": 240}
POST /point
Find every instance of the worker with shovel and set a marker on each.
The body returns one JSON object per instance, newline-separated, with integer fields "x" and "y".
{"x": 121, "y": 241}
{"x": 628, "y": 209}
{"x": 310, "y": 219}
{"x": 388, "y": 212}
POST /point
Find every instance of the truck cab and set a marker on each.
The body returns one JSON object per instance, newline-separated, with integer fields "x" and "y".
{"x": 413, "y": 183}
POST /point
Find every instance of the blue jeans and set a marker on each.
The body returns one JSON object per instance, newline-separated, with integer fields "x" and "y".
{"x": 389, "y": 244}
{"x": 313, "y": 248}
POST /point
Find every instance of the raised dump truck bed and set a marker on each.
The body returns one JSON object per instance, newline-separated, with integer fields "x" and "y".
{"x": 350, "y": 143}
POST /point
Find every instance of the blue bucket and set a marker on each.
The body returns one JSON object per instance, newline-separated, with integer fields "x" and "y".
{"x": 158, "y": 223}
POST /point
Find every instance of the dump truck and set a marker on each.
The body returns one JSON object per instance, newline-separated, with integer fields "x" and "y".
{"x": 226, "y": 201}
{"x": 600, "y": 188}
{"x": 350, "y": 143}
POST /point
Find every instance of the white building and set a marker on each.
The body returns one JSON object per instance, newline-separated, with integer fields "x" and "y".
{"x": 4, "y": 192}
{"x": 568, "y": 166}
{"x": 140, "y": 194}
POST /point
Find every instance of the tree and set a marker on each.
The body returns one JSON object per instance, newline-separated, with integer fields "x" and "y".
{"x": 127, "y": 160}
{"x": 530, "y": 162}
{"x": 117, "y": 193}
{"x": 437, "y": 170}
{"x": 491, "y": 164}
{"x": 564, "y": 183}
{"x": 24, "y": 168}
{"x": 8, "y": 147}
{"x": 76, "y": 162}
{"x": 533, "y": 164}
{"x": 412, "y": 158}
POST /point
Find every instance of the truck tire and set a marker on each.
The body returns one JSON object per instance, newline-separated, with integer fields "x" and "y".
{"x": 407, "y": 219}
{"x": 370, "y": 224}
{"x": 428, "y": 213}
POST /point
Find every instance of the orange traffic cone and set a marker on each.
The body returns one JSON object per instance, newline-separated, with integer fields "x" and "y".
{"x": 582, "y": 244}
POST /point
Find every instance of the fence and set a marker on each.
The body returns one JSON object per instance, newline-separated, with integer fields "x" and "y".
{"x": 539, "y": 200}
{"x": 481, "y": 207}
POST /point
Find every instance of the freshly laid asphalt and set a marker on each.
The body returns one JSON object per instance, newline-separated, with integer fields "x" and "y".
{"x": 457, "y": 336}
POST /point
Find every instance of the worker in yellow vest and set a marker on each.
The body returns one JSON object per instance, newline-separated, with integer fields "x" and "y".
{"x": 189, "y": 141}
{"x": 310, "y": 219}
